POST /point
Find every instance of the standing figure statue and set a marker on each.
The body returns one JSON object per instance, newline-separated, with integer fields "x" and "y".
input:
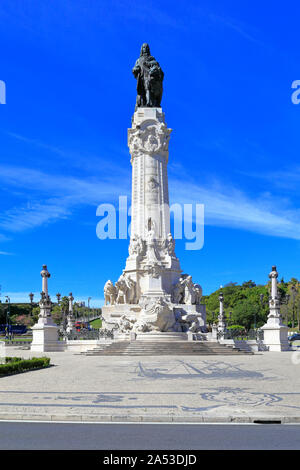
{"x": 189, "y": 292}
{"x": 126, "y": 290}
{"x": 110, "y": 293}
{"x": 149, "y": 77}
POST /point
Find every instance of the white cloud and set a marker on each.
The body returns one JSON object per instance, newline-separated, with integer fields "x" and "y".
{"x": 56, "y": 197}
{"x": 66, "y": 193}
{"x": 230, "y": 207}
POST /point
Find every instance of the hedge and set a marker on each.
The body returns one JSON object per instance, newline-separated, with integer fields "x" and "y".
{"x": 15, "y": 365}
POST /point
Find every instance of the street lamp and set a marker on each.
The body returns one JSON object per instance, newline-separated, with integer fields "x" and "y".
{"x": 285, "y": 301}
{"x": 89, "y": 298}
{"x": 31, "y": 295}
{"x": 294, "y": 291}
{"x": 7, "y": 314}
{"x": 58, "y": 296}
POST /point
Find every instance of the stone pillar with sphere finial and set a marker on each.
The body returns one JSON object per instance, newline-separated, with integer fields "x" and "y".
{"x": 45, "y": 331}
{"x": 221, "y": 317}
{"x": 70, "y": 320}
{"x": 275, "y": 333}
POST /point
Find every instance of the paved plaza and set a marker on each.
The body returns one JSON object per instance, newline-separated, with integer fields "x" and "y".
{"x": 264, "y": 386}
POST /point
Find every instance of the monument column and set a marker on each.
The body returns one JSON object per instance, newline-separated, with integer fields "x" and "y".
{"x": 70, "y": 325}
{"x": 151, "y": 294}
{"x": 45, "y": 276}
{"x": 152, "y": 262}
{"x": 221, "y": 317}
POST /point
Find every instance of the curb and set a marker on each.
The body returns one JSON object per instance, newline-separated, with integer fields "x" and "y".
{"x": 151, "y": 419}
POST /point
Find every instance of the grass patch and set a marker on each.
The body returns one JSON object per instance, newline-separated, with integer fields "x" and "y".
{"x": 17, "y": 365}
{"x": 96, "y": 323}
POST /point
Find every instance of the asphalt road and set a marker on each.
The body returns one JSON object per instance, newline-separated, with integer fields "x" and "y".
{"x": 74, "y": 436}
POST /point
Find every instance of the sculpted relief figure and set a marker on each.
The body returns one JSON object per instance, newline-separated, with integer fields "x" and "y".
{"x": 151, "y": 243}
{"x": 189, "y": 292}
{"x": 178, "y": 292}
{"x": 170, "y": 245}
{"x": 149, "y": 77}
{"x": 158, "y": 316}
{"x": 110, "y": 293}
{"x": 198, "y": 293}
{"x": 125, "y": 324}
{"x": 186, "y": 292}
{"x": 136, "y": 245}
{"x": 126, "y": 291}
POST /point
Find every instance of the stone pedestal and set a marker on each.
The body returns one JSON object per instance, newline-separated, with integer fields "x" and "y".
{"x": 275, "y": 333}
{"x": 45, "y": 337}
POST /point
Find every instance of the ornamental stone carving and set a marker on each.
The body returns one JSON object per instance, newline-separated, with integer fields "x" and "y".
{"x": 170, "y": 245}
{"x": 154, "y": 270}
{"x": 152, "y": 140}
{"x": 152, "y": 184}
{"x": 136, "y": 246}
{"x": 125, "y": 324}
{"x": 156, "y": 316}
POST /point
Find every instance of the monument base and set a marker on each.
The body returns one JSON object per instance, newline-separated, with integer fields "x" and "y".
{"x": 112, "y": 315}
{"x": 275, "y": 335}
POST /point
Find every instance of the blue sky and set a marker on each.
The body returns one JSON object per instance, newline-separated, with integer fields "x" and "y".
{"x": 235, "y": 144}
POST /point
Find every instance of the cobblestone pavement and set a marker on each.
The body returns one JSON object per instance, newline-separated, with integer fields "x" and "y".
{"x": 265, "y": 386}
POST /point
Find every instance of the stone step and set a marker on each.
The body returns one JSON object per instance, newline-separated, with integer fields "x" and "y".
{"x": 150, "y": 348}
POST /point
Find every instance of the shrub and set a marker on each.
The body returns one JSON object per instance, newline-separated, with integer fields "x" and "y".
{"x": 16, "y": 365}
{"x": 236, "y": 327}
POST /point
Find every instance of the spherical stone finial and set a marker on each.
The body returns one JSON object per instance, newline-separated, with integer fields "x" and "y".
{"x": 273, "y": 273}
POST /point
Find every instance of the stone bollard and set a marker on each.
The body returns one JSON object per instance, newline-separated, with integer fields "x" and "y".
{"x": 132, "y": 336}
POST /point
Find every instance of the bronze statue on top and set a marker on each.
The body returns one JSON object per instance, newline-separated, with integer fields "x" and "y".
{"x": 149, "y": 77}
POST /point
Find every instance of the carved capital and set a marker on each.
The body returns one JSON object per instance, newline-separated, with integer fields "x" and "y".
{"x": 151, "y": 138}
